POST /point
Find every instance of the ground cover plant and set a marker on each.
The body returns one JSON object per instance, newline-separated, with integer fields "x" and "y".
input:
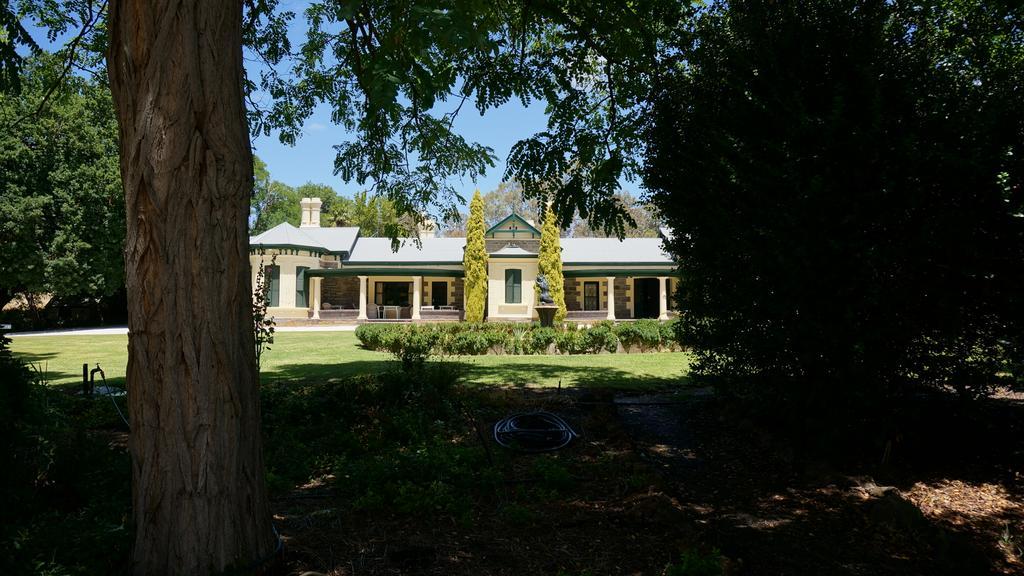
{"x": 65, "y": 486}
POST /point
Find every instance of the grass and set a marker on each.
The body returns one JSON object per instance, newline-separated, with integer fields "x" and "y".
{"x": 310, "y": 356}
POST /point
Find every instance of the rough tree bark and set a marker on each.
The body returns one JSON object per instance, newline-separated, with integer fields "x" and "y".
{"x": 198, "y": 494}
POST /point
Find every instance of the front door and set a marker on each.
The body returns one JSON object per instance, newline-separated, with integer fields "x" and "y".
{"x": 645, "y": 290}
{"x": 591, "y": 296}
{"x": 438, "y": 293}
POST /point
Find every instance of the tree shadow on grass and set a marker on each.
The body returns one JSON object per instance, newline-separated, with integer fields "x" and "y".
{"x": 516, "y": 374}
{"x": 327, "y": 371}
{"x": 40, "y": 365}
{"x": 520, "y": 374}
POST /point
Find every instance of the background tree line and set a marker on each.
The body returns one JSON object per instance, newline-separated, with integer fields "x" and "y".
{"x": 509, "y": 198}
{"x": 61, "y": 198}
{"x": 274, "y": 202}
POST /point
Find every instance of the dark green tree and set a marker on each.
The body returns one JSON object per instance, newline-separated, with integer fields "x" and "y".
{"x": 844, "y": 183}
{"x": 63, "y": 227}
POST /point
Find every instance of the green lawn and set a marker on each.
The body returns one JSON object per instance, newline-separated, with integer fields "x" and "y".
{"x": 326, "y": 355}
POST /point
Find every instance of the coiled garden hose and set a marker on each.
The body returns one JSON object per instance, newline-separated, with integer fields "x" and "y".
{"x": 533, "y": 432}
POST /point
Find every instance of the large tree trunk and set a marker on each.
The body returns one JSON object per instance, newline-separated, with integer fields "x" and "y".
{"x": 198, "y": 493}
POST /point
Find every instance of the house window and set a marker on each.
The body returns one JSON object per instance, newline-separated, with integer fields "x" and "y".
{"x": 273, "y": 280}
{"x": 301, "y": 287}
{"x": 513, "y": 286}
{"x": 438, "y": 293}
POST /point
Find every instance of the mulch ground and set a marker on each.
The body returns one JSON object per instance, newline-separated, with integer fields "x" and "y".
{"x": 655, "y": 478}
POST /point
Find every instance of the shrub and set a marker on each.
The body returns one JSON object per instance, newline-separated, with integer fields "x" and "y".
{"x": 570, "y": 342}
{"x": 599, "y": 338}
{"x": 642, "y": 334}
{"x": 539, "y": 340}
{"x": 518, "y": 339}
{"x": 669, "y": 336}
{"x": 377, "y": 336}
{"x": 414, "y": 345}
{"x": 498, "y": 340}
{"x": 470, "y": 343}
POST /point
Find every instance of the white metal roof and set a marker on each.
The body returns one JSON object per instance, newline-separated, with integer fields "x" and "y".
{"x": 613, "y": 251}
{"x": 450, "y": 250}
{"x": 442, "y": 250}
{"x": 334, "y": 240}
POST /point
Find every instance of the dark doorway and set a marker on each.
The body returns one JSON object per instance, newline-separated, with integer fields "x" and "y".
{"x": 646, "y": 296}
{"x": 591, "y": 295}
{"x": 438, "y": 293}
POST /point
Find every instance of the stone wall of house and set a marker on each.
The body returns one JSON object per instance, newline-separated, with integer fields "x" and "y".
{"x": 495, "y": 244}
{"x": 340, "y": 291}
{"x": 573, "y": 296}
{"x": 459, "y": 288}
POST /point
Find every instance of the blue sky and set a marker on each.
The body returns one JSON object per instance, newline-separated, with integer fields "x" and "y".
{"x": 311, "y": 159}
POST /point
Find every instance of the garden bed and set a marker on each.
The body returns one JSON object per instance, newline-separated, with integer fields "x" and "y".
{"x": 510, "y": 338}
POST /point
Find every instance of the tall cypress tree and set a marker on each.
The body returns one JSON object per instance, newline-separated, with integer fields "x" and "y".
{"x": 474, "y": 261}
{"x": 549, "y": 261}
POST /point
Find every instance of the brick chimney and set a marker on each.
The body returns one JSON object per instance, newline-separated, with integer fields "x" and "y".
{"x": 310, "y": 212}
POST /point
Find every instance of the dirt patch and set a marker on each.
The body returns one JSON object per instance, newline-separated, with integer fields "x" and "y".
{"x": 773, "y": 512}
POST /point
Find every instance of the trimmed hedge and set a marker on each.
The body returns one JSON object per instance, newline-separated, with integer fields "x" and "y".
{"x": 413, "y": 343}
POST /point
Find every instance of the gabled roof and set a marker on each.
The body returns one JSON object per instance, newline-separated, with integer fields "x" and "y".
{"x": 581, "y": 251}
{"x": 434, "y": 251}
{"x": 512, "y": 251}
{"x": 335, "y": 240}
{"x": 329, "y": 240}
{"x": 512, "y": 216}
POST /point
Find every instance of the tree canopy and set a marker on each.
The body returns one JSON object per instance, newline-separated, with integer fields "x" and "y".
{"x": 397, "y": 74}
{"x": 64, "y": 225}
{"x": 844, "y": 181}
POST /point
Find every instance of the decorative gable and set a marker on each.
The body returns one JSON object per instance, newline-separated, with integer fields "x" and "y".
{"x": 513, "y": 227}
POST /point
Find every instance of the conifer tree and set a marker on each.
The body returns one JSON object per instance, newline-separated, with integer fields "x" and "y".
{"x": 475, "y": 261}
{"x": 549, "y": 261}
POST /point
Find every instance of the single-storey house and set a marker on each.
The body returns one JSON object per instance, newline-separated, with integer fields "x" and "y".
{"x": 335, "y": 273}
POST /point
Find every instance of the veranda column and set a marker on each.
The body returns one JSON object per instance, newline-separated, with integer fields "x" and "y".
{"x": 417, "y": 293}
{"x": 316, "y": 297}
{"x": 662, "y": 298}
{"x": 611, "y": 297}
{"x": 362, "y": 298}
